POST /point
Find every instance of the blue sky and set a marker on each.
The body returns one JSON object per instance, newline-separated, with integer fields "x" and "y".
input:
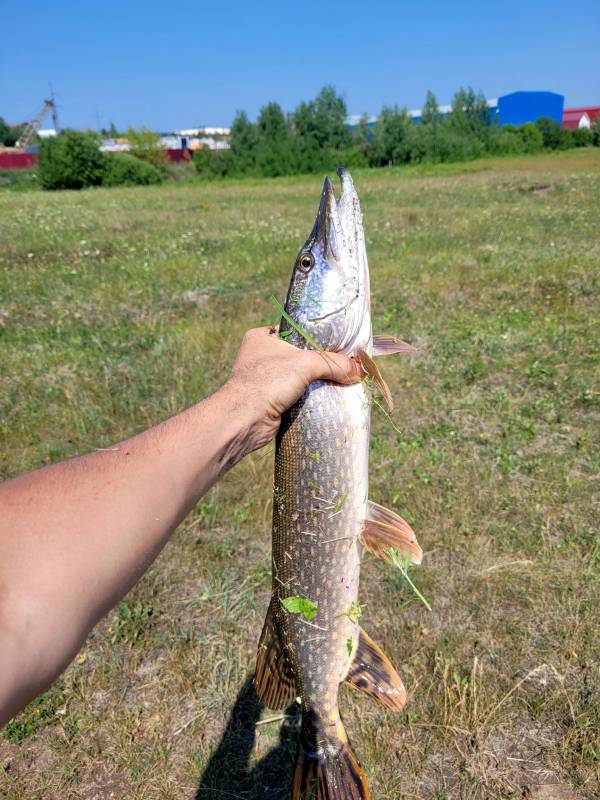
{"x": 174, "y": 65}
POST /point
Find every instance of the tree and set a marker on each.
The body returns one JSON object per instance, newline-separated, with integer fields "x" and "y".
{"x": 71, "y": 161}
{"x": 582, "y": 137}
{"x": 392, "y": 134}
{"x": 551, "y": 132}
{"x": 595, "y": 130}
{"x": 430, "y": 113}
{"x": 272, "y": 125}
{"x": 9, "y": 134}
{"x": 274, "y": 156}
{"x": 470, "y": 113}
{"x": 322, "y": 122}
{"x": 243, "y": 142}
{"x": 330, "y": 117}
{"x": 363, "y": 135}
{"x": 4, "y": 131}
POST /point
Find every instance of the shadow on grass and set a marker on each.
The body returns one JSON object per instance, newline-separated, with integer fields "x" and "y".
{"x": 229, "y": 774}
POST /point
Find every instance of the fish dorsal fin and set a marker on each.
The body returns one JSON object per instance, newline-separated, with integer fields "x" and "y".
{"x": 388, "y": 345}
{"x": 372, "y": 673}
{"x": 273, "y": 679}
{"x": 384, "y": 529}
{"x": 373, "y": 371}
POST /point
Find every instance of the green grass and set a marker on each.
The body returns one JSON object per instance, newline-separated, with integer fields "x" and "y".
{"x": 120, "y": 307}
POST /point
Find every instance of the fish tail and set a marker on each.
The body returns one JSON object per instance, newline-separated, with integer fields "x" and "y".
{"x": 327, "y": 768}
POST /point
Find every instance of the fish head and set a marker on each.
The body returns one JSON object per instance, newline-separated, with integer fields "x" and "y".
{"x": 328, "y": 296}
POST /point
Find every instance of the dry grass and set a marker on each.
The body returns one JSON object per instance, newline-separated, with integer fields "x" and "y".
{"x": 118, "y": 307}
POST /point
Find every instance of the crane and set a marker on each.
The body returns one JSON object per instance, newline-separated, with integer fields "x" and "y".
{"x": 32, "y": 127}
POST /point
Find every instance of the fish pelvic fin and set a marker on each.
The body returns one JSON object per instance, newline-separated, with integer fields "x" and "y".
{"x": 273, "y": 680}
{"x": 384, "y": 529}
{"x": 371, "y": 672}
{"x": 374, "y": 373}
{"x": 388, "y": 345}
{"x": 327, "y": 768}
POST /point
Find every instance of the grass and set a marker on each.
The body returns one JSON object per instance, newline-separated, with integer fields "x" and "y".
{"x": 120, "y": 307}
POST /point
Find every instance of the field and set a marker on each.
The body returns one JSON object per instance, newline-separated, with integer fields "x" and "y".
{"x": 120, "y": 307}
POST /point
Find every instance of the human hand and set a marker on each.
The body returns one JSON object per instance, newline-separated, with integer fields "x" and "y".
{"x": 269, "y": 375}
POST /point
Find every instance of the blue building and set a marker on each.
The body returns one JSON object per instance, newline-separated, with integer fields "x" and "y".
{"x": 521, "y": 107}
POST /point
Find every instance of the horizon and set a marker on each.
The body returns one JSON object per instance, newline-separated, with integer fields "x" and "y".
{"x": 175, "y": 71}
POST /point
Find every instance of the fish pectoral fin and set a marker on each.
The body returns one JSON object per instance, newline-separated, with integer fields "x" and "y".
{"x": 388, "y": 345}
{"x": 371, "y": 672}
{"x": 373, "y": 371}
{"x": 273, "y": 679}
{"x": 384, "y": 529}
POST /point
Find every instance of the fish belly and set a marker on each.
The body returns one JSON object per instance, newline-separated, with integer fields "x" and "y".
{"x": 320, "y": 502}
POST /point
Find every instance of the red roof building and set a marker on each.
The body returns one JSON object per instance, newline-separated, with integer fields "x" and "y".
{"x": 582, "y": 117}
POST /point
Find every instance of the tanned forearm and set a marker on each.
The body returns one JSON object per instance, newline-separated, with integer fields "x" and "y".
{"x": 79, "y": 534}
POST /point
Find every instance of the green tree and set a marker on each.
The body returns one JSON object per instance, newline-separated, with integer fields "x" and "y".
{"x": 595, "y": 131}
{"x": 430, "y": 113}
{"x": 470, "y": 113}
{"x": 392, "y": 135}
{"x": 244, "y": 143}
{"x": 533, "y": 141}
{"x": 271, "y": 123}
{"x": 582, "y": 137}
{"x": 274, "y": 155}
{"x": 211, "y": 164}
{"x": 71, "y": 161}
{"x": 330, "y": 116}
{"x": 9, "y": 134}
{"x": 425, "y": 144}
{"x": 318, "y": 128}
{"x": 4, "y": 131}
{"x": 363, "y": 135}
{"x": 551, "y": 132}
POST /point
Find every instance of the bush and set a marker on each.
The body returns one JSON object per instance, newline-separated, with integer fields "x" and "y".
{"x": 551, "y": 132}
{"x": 533, "y": 140}
{"x": 127, "y": 170}
{"x": 582, "y": 137}
{"x": 213, "y": 163}
{"x": 70, "y": 161}
{"x": 595, "y": 131}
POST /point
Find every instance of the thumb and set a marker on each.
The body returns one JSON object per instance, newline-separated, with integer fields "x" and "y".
{"x": 326, "y": 366}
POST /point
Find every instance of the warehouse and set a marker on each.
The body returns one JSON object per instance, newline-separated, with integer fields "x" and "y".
{"x": 582, "y": 117}
{"x": 519, "y": 108}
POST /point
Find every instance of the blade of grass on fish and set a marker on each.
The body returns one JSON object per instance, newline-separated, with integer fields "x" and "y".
{"x": 281, "y": 310}
{"x": 297, "y": 328}
{"x": 402, "y": 563}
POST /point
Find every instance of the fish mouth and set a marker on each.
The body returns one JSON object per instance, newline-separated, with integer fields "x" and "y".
{"x": 327, "y": 226}
{"x": 336, "y": 218}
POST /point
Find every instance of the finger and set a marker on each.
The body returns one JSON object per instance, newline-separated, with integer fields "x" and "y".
{"x": 333, "y": 367}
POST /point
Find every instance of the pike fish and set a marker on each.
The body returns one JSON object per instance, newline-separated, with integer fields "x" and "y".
{"x": 322, "y": 517}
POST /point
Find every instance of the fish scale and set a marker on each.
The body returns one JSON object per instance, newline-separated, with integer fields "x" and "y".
{"x": 322, "y": 517}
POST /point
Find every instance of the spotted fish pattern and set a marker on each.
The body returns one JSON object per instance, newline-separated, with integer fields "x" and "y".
{"x": 322, "y": 518}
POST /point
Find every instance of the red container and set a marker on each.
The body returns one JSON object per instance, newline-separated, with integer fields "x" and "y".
{"x": 17, "y": 160}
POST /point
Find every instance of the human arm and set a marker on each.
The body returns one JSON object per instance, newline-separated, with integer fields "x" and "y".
{"x": 75, "y": 536}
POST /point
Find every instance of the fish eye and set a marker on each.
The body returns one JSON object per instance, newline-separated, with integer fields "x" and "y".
{"x": 306, "y": 262}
